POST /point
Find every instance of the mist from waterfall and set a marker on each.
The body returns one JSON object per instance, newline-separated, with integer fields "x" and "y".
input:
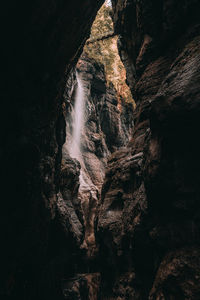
{"x": 78, "y": 119}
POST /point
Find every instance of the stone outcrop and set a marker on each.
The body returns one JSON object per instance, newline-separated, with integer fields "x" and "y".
{"x": 149, "y": 217}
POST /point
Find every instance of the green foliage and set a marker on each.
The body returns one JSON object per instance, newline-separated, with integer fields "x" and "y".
{"x": 103, "y": 23}
{"x": 105, "y": 52}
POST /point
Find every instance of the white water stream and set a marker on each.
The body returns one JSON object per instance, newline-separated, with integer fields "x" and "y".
{"x": 77, "y": 130}
{"x": 88, "y": 192}
{"x": 78, "y": 120}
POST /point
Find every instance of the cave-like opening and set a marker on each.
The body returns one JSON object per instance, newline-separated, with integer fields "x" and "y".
{"x": 99, "y": 121}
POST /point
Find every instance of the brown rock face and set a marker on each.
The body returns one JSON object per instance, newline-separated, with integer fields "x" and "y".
{"x": 149, "y": 217}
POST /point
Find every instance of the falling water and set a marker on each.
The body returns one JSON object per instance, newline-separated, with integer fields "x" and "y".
{"x": 78, "y": 120}
{"x": 88, "y": 192}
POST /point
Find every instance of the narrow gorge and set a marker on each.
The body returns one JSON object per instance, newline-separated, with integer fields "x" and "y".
{"x": 100, "y": 150}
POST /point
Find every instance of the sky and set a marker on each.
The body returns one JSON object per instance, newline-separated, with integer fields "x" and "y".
{"x": 108, "y": 2}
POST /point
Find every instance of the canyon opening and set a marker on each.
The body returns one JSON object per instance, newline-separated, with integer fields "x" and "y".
{"x": 99, "y": 150}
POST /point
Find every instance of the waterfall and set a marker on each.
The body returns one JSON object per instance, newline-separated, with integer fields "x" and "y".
{"x": 77, "y": 128}
{"x": 78, "y": 120}
{"x": 88, "y": 192}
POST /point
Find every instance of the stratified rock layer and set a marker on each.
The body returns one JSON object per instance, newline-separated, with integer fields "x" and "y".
{"x": 149, "y": 218}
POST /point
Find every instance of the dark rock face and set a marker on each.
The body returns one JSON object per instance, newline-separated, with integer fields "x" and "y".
{"x": 171, "y": 280}
{"x": 39, "y": 39}
{"x": 83, "y": 286}
{"x": 149, "y": 217}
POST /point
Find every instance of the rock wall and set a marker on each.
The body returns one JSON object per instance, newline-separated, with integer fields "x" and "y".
{"x": 41, "y": 40}
{"x": 148, "y": 227}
